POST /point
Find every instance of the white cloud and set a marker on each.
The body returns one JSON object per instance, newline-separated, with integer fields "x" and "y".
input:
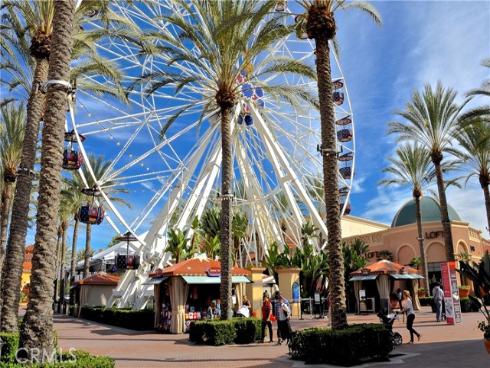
{"x": 384, "y": 206}
{"x": 450, "y": 47}
{"x": 469, "y": 203}
{"x": 357, "y": 186}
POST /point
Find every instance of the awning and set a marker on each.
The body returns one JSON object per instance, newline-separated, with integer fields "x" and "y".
{"x": 406, "y": 276}
{"x": 363, "y": 277}
{"x": 155, "y": 281}
{"x": 213, "y": 280}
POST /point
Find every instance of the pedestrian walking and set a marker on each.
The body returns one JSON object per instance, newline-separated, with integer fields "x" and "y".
{"x": 408, "y": 308}
{"x": 399, "y": 296}
{"x": 438, "y": 298}
{"x": 266, "y": 318}
{"x": 283, "y": 314}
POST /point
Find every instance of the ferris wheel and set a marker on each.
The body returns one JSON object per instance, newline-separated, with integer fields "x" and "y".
{"x": 170, "y": 176}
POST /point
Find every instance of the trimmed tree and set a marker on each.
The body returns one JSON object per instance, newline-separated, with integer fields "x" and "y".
{"x": 37, "y": 328}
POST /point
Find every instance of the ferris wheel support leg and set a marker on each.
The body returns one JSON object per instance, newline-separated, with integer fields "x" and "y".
{"x": 279, "y": 157}
{"x": 131, "y": 281}
{"x": 284, "y": 178}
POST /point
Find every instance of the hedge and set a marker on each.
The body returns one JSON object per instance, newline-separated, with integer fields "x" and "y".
{"x": 216, "y": 332}
{"x": 467, "y": 305}
{"x": 9, "y": 346}
{"x": 127, "y": 318}
{"x": 426, "y": 301}
{"x": 342, "y": 347}
{"x": 77, "y": 358}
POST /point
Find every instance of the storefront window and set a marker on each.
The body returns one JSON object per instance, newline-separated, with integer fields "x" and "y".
{"x": 434, "y": 271}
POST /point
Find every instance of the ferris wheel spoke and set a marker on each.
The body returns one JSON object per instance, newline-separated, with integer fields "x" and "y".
{"x": 150, "y": 151}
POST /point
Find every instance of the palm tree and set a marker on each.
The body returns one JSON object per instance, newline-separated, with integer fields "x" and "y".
{"x": 11, "y": 137}
{"x": 412, "y": 166}
{"x": 431, "y": 118}
{"x": 483, "y": 91}
{"x": 354, "y": 254}
{"x": 37, "y": 327}
{"x": 474, "y": 140}
{"x": 27, "y": 31}
{"x": 99, "y": 167}
{"x": 226, "y": 38}
{"x": 319, "y": 24}
{"x": 239, "y": 227}
{"x": 73, "y": 199}
{"x": 65, "y": 215}
{"x": 178, "y": 245}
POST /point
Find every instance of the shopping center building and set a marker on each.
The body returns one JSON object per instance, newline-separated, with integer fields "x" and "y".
{"x": 400, "y": 239}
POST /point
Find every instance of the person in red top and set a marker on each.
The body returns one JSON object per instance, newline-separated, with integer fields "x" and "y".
{"x": 266, "y": 317}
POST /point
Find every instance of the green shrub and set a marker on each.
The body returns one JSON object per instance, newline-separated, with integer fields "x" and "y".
{"x": 248, "y": 330}
{"x": 342, "y": 347}
{"x": 127, "y": 318}
{"x": 213, "y": 332}
{"x": 426, "y": 301}
{"x": 216, "y": 332}
{"x": 467, "y": 305}
{"x": 9, "y": 346}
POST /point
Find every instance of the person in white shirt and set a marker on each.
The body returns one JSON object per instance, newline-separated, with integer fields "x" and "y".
{"x": 408, "y": 308}
{"x": 438, "y": 298}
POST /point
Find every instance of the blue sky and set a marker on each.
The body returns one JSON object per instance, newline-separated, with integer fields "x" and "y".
{"x": 419, "y": 42}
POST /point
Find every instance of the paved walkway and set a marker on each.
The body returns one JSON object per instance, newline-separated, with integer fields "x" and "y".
{"x": 441, "y": 346}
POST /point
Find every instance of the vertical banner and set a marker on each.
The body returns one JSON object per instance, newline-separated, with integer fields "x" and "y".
{"x": 451, "y": 292}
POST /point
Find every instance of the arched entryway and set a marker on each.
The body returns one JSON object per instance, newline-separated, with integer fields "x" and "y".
{"x": 405, "y": 254}
{"x": 436, "y": 253}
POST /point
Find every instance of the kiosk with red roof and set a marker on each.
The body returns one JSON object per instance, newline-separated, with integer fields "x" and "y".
{"x": 184, "y": 292}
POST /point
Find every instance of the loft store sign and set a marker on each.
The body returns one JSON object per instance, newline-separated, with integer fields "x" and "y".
{"x": 433, "y": 234}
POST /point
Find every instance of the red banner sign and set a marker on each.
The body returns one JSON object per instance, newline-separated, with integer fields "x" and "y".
{"x": 451, "y": 292}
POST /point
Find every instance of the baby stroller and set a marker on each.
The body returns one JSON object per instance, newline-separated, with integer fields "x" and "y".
{"x": 388, "y": 320}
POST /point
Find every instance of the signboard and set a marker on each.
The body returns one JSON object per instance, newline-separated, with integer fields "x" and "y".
{"x": 296, "y": 292}
{"x": 451, "y": 292}
{"x": 214, "y": 272}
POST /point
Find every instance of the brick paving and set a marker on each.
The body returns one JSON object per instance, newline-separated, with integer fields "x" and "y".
{"x": 441, "y": 345}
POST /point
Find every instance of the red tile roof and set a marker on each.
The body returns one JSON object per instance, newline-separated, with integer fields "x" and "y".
{"x": 196, "y": 267}
{"x": 100, "y": 278}
{"x": 27, "y": 263}
{"x": 385, "y": 267}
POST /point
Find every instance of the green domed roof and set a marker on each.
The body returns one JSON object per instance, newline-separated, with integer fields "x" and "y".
{"x": 430, "y": 212}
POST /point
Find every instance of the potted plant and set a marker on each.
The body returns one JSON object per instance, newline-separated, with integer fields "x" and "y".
{"x": 480, "y": 275}
{"x": 422, "y": 293}
{"x": 484, "y": 327}
{"x": 464, "y": 291}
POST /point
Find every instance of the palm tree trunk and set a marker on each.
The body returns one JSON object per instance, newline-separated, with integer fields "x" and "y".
{"x": 484, "y": 184}
{"x": 226, "y": 216}
{"x": 418, "y": 216}
{"x": 61, "y": 277}
{"x": 330, "y": 184}
{"x": 446, "y": 224}
{"x": 12, "y": 266}
{"x": 6, "y": 205}
{"x": 74, "y": 251}
{"x": 37, "y": 328}
{"x": 57, "y": 261}
{"x": 88, "y": 250}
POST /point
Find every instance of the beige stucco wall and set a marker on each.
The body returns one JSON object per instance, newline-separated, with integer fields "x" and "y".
{"x": 95, "y": 295}
{"x": 352, "y": 226}
{"x": 403, "y": 244}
